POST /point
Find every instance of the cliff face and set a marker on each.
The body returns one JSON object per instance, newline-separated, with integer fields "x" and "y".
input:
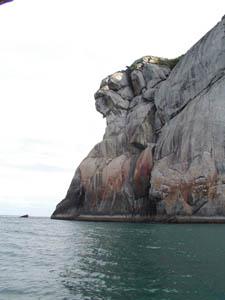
{"x": 163, "y": 152}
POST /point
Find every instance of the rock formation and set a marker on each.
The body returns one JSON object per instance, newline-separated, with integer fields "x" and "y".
{"x": 163, "y": 152}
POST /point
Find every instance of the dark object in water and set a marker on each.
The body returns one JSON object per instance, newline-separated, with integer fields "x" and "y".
{"x": 24, "y": 216}
{"x": 4, "y": 1}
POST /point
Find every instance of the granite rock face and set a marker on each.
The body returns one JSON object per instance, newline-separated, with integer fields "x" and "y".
{"x": 163, "y": 152}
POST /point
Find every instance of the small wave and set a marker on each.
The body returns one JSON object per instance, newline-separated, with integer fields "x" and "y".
{"x": 167, "y": 290}
{"x": 186, "y": 276}
{"x": 153, "y": 247}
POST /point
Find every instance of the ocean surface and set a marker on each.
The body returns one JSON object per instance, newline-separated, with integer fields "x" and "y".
{"x": 50, "y": 259}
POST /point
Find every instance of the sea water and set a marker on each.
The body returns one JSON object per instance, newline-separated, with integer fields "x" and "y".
{"x": 50, "y": 259}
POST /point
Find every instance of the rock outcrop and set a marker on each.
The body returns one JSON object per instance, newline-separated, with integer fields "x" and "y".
{"x": 163, "y": 152}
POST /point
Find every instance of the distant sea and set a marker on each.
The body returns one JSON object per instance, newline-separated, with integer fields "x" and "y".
{"x": 50, "y": 259}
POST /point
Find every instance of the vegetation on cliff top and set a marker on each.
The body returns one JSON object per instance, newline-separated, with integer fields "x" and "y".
{"x": 171, "y": 63}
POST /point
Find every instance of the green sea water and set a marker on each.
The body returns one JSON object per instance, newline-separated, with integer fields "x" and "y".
{"x": 49, "y": 259}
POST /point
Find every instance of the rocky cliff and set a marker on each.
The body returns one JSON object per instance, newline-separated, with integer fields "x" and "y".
{"x": 163, "y": 152}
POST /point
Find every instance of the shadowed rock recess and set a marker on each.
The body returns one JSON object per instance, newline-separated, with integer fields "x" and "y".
{"x": 162, "y": 157}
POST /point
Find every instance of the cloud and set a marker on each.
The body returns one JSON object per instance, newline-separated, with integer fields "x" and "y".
{"x": 37, "y": 168}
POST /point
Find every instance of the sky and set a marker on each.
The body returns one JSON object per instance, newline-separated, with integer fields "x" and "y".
{"x": 53, "y": 56}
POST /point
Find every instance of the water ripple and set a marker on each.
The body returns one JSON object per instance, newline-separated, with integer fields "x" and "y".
{"x": 46, "y": 259}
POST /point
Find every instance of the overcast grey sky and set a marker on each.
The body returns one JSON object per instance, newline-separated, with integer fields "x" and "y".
{"x": 53, "y": 56}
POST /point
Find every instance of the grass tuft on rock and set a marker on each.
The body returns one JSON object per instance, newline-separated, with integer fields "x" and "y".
{"x": 171, "y": 63}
